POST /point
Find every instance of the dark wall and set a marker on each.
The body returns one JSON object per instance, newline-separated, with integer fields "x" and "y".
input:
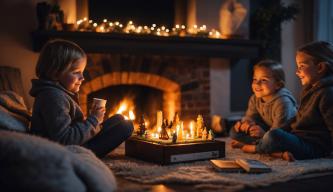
{"x": 241, "y": 77}
{"x": 147, "y": 12}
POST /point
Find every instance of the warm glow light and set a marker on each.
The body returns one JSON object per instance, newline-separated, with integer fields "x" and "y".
{"x": 131, "y": 115}
{"x": 122, "y": 108}
{"x": 177, "y": 30}
{"x": 192, "y": 128}
{"x": 125, "y": 108}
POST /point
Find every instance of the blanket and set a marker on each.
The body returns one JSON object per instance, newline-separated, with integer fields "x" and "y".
{"x": 202, "y": 175}
{"x": 31, "y": 163}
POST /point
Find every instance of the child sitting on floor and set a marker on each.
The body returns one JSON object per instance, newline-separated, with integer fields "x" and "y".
{"x": 310, "y": 132}
{"x": 56, "y": 112}
{"x": 271, "y": 106}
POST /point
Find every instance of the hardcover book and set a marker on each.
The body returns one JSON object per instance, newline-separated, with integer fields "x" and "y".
{"x": 253, "y": 166}
{"x": 240, "y": 165}
{"x": 226, "y": 165}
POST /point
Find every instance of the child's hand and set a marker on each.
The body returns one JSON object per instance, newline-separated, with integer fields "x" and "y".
{"x": 256, "y": 131}
{"x": 98, "y": 112}
{"x": 237, "y": 126}
{"x": 245, "y": 126}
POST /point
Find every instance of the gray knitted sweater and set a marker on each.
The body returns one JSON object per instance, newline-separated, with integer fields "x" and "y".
{"x": 275, "y": 113}
{"x": 57, "y": 115}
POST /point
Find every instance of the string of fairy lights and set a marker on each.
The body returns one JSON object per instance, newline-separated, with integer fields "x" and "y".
{"x": 130, "y": 28}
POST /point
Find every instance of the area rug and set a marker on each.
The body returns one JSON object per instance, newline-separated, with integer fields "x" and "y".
{"x": 202, "y": 175}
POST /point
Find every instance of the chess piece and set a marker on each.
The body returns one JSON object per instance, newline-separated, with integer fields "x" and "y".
{"x": 176, "y": 120}
{"x": 174, "y": 137}
{"x": 204, "y": 134}
{"x": 164, "y": 134}
{"x": 142, "y": 126}
{"x": 211, "y": 135}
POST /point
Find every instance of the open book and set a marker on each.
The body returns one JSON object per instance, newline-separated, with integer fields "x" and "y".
{"x": 240, "y": 165}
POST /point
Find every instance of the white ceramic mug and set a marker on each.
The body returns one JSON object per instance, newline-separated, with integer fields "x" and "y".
{"x": 99, "y": 102}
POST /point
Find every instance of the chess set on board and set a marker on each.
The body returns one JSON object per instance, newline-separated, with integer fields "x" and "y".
{"x": 169, "y": 143}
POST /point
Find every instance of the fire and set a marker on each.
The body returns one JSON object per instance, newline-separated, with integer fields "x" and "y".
{"x": 131, "y": 115}
{"x": 125, "y": 108}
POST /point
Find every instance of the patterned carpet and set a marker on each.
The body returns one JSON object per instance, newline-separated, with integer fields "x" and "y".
{"x": 201, "y": 174}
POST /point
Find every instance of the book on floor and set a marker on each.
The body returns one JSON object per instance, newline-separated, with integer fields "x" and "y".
{"x": 226, "y": 165}
{"x": 253, "y": 166}
{"x": 240, "y": 165}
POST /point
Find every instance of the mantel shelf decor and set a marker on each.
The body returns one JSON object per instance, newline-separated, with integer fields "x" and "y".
{"x": 95, "y": 42}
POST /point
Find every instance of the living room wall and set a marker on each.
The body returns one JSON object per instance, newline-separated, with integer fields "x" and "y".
{"x": 18, "y": 20}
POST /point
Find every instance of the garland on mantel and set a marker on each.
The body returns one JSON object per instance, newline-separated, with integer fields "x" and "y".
{"x": 130, "y": 28}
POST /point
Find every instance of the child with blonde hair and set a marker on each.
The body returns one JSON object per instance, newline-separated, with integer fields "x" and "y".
{"x": 310, "y": 133}
{"x": 270, "y": 107}
{"x": 56, "y": 111}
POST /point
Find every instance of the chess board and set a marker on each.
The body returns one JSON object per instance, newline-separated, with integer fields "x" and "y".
{"x": 169, "y": 153}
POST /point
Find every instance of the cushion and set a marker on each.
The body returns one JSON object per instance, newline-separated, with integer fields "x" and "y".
{"x": 14, "y": 114}
{"x": 31, "y": 163}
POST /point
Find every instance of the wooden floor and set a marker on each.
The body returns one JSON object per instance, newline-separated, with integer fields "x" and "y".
{"x": 319, "y": 183}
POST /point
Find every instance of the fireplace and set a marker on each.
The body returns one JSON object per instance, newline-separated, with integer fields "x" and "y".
{"x": 172, "y": 84}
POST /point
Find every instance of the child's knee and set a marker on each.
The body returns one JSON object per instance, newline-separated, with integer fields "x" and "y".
{"x": 127, "y": 127}
{"x": 273, "y": 135}
{"x": 117, "y": 117}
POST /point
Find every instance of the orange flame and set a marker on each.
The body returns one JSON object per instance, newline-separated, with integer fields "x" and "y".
{"x": 125, "y": 108}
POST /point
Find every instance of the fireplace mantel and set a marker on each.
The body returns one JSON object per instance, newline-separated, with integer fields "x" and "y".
{"x": 93, "y": 42}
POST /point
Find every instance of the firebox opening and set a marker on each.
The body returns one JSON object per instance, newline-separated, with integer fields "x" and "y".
{"x": 145, "y": 100}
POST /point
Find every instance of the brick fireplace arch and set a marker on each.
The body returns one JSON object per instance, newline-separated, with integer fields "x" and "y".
{"x": 171, "y": 90}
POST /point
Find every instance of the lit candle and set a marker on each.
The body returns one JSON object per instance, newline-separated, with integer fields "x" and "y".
{"x": 159, "y": 119}
{"x": 187, "y": 136}
{"x": 181, "y": 131}
{"x": 177, "y": 130}
{"x": 192, "y": 129}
